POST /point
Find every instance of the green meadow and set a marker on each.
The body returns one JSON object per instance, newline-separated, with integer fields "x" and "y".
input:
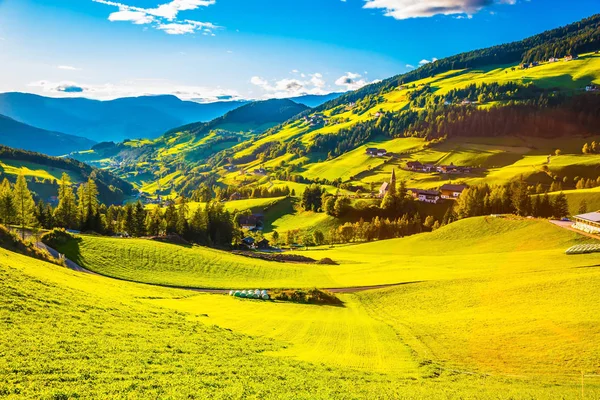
{"x": 489, "y": 306}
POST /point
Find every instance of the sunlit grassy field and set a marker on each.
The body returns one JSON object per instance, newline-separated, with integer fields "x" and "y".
{"x": 468, "y": 248}
{"x": 499, "y": 319}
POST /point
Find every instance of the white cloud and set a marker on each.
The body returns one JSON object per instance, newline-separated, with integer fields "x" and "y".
{"x": 404, "y": 9}
{"x": 68, "y": 68}
{"x": 139, "y": 87}
{"x": 424, "y": 61}
{"x": 291, "y": 87}
{"x": 410, "y": 66}
{"x": 164, "y": 16}
{"x": 352, "y": 81}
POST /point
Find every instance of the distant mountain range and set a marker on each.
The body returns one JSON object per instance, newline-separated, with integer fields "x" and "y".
{"x": 126, "y": 118}
{"x": 257, "y": 116}
{"x": 22, "y": 136}
{"x": 120, "y": 119}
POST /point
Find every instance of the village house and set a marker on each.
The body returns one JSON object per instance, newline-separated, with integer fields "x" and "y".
{"x": 235, "y": 196}
{"x": 375, "y": 152}
{"x": 569, "y": 58}
{"x": 385, "y": 186}
{"x": 425, "y": 196}
{"x": 260, "y": 171}
{"x": 414, "y": 166}
{"x": 251, "y": 222}
{"x": 592, "y": 88}
{"x": 552, "y": 60}
{"x": 248, "y": 242}
{"x": 452, "y": 192}
{"x": 589, "y": 223}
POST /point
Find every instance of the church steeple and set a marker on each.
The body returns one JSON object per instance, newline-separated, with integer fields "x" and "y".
{"x": 392, "y": 186}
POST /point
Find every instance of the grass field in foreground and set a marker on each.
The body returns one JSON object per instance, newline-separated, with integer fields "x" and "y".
{"x": 467, "y": 248}
{"x": 88, "y": 336}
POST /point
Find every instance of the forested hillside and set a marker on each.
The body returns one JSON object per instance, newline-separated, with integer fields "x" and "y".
{"x": 44, "y": 172}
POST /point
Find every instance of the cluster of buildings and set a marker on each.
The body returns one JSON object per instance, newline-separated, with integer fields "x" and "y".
{"x": 314, "y": 120}
{"x": 592, "y": 88}
{"x": 443, "y": 169}
{"x": 375, "y": 152}
{"x": 447, "y": 191}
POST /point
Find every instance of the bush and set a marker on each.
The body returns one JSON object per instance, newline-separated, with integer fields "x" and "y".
{"x": 57, "y": 237}
{"x": 327, "y": 261}
{"x": 311, "y": 296}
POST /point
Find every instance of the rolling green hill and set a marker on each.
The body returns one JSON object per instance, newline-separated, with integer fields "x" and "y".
{"x": 471, "y": 247}
{"x": 520, "y": 332}
{"x": 18, "y": 135}
{"x": 43, "y": 173}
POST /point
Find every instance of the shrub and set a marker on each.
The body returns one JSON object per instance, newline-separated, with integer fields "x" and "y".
{"x": 57, "y": 237}
{"x": 311, "y": 296}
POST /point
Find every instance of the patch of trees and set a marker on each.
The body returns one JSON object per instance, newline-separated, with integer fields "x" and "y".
{"x": 512, "y": 198}
{"x": 546, "y": 117}
{"x": 592, "y": 148}
{"x": 211, "y": 225}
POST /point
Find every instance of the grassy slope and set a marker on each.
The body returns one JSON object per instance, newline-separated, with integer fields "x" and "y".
{"x": 71, "y": 335}
{"x": 468, "y": 248}
{"x": 506, "y": 162}
{"x": 104, "y": 338}
{"x": 33, "y": 170}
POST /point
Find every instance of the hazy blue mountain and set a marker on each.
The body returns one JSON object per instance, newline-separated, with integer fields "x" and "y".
{"x": 22, "y": 136}
{"x": 315, "y": 100}
{"x": 126, "y": 118}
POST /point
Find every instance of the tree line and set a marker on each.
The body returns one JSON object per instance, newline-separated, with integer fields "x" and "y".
{"x": 210, "y": 225}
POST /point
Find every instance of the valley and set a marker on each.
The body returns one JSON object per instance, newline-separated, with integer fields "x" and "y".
{"x": 431, "y": 235}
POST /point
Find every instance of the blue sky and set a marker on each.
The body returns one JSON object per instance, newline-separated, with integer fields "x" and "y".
{"x": 226, "y": 49}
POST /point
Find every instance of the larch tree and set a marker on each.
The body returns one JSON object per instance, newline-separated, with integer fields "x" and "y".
{"x": 7, "y": 204}
{"x": 65, "y": 214}
{"x": 24, "y": 205}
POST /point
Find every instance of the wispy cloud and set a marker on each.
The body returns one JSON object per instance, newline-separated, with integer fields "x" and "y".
{"x": 291, "y": 87}
{"x": 140, "y": 87}
{"x": 404, "y": 9}
{"x": 68, "y": 68}
{"x": 352, "y": 81}
{"x": 425, "y": 61}
{"x": 163, "y": 17}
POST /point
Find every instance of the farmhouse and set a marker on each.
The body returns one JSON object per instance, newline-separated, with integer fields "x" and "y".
{"x": 414, "y": 166}
{"x": 260, "y": 171}
{"x": 235, "y": 196}
{"x": 552, "y": 59}
{"x": 251, "y": 222}
{"x": 425, "y": 196}
{"x": 569, "y": 58}
{"x": 589, "y": 222}
{"x": 375, "y": 152}
{"x": 452, "y": 192}
{"x": 248, "y": 242}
